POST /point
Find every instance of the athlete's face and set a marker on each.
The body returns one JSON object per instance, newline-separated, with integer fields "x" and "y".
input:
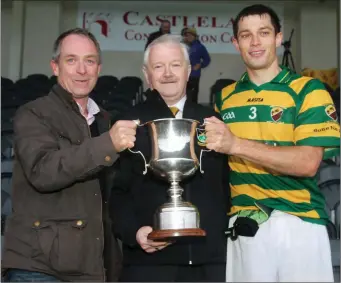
{"x": 257, "y": 41}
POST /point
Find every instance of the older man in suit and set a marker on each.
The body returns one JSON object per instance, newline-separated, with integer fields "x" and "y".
{"x": 135, "y": 197}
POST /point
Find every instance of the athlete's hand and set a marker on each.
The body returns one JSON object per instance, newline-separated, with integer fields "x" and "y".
{"x": 219, "y": 137}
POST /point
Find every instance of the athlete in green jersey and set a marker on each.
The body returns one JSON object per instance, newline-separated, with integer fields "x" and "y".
{"x": 289, "y": 110}
{"x": 277, "y": 127}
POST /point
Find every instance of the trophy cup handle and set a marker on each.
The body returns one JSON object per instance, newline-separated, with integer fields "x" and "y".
{"x": 138, "y": 124}
{"x": 203, "y": 143}
{"x": 144, "y": 159}
{"x": 200, "y": 161}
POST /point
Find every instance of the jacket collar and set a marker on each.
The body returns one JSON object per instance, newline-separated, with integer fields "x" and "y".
{"x": 282, "y": 77}
{"x": 155, "y": 106}
{"x": 64, "y": 96}
{"x": 102, "y": 117}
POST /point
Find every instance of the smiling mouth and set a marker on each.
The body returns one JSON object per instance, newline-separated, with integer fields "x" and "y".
{"x": 257, "y": 53}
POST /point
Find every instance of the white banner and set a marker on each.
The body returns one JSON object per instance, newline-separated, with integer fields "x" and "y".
{"x": 125, "y": 26}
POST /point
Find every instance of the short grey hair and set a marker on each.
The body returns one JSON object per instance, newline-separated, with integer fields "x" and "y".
{"x": 77, "y": 31}
{"x": 167, "y": 39}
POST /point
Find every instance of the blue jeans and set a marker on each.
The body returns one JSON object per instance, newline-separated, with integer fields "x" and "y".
{"x": 19, "y": 275}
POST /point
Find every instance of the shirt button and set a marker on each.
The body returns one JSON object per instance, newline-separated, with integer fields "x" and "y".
{"x": 107, "y": 158}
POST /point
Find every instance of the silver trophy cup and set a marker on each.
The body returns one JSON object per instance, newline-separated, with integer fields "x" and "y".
{"x": 173, "y": 159}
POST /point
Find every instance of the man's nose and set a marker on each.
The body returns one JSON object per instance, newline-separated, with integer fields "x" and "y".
{"x": 81, "y": 69}
{"x": 168, "y": 71}
{"x": 255, "y": 40}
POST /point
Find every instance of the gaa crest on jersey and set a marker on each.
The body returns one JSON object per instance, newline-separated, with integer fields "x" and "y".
{"x": 276, "y": 113}
{"x": 331, "y": 111}
{"x": 201, "y": 136}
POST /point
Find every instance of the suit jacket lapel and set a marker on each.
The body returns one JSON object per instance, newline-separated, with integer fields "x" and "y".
{"x": 156, "y": 108}
{"x": 190, "y": 111}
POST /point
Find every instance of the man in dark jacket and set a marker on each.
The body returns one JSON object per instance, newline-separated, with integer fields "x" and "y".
{"x": 199, "y": 58}
{"x": 164, "y": 29}
{"x": 135, "y": 197}
{"x": 64, "y": 146}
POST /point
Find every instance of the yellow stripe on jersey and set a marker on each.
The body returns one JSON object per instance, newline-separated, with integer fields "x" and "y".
{"x": 328, "y": 129}
{"x": 258, "y": 193}
{"x": 316, "y": 98}
{"x": 226, "y": 91}
{"x": 263, "y": 131}
{"x": 237, "y": 208}
{"x": 243, "y": 166}
{"x": 298, "y": 84}
{"x": 272, "y": 98}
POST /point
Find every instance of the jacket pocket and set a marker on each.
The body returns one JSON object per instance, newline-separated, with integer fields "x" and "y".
{"x": 63, "y": 244}
{"x": 66, "y": 141}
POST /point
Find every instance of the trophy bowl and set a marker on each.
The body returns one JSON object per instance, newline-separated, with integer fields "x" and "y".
{"x": 173, "y": 158}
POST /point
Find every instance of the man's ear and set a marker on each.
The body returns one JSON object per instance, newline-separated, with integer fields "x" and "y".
{"x": 189, "y": 71}
{"x": 235, "y": 43}
{"x": 99, "y": 69}
{"x": 54, "y": 67}
{"x": 146, "y": 77}
{"x": 279, "y": 38}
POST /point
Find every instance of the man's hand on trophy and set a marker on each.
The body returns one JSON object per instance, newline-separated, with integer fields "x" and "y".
{"x": 218, "y": 136}
{"x": 147, "y": 245}
{"x": 123, "y": 134}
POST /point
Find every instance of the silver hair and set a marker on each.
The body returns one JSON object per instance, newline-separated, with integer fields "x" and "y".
{"x": 167, "y": 39}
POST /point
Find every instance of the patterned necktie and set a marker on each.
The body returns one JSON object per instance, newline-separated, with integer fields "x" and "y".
{"x": 174, "y": 110}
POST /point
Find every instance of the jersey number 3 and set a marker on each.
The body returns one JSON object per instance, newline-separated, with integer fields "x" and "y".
{"x": 253, "y": 113}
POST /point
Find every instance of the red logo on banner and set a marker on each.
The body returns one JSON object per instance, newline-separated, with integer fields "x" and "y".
{"x": 101, "y": 19}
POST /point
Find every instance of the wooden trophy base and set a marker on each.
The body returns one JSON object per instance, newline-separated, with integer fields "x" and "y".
{"x": 174, "y": 234}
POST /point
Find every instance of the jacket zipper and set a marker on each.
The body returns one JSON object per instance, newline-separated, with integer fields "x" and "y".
{"x": 102, "y": 228}
{"x": 101, "y": 204}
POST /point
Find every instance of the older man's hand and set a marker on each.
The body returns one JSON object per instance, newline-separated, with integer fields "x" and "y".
{"x": 123, "y": 134}
{"x": 147, "y": 245}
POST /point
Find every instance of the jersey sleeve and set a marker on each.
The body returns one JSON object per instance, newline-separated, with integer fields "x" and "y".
{"x": 316, "y": 121}
{"x": 218, "y": 101}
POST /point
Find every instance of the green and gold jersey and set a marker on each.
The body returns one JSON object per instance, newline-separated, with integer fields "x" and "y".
{"x": 290, "y": 110}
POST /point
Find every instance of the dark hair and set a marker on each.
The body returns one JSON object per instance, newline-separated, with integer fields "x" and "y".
{"x": 78, "y": 31}
{"x": 257, "y": 9}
